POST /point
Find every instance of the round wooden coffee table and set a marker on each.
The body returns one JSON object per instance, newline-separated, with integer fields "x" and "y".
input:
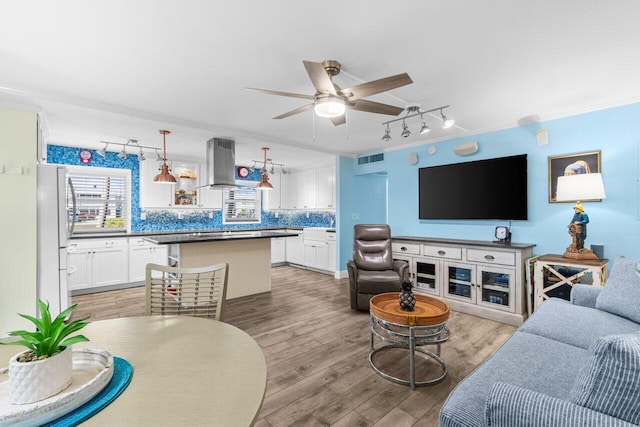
{"x": 412, "y": 330}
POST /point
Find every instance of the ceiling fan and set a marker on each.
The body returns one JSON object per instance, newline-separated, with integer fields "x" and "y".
{"x": 331, "y": 101}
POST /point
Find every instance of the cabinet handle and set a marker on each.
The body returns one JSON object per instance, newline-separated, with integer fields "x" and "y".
{"x": 404, "y": 248}
{"x": 441, "y": 252}
{"x": 489, "y": 257}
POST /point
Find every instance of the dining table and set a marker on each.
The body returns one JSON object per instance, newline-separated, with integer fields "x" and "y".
{"x": 187, "y": 371}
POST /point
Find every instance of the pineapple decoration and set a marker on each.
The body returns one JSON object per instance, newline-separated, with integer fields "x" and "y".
{"x": 406, "y": 298}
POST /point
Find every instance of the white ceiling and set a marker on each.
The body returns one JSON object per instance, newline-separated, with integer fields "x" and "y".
{"x": 120, "y": 69}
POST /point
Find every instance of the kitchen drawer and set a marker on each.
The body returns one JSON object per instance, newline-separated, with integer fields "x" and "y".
{"x": 442, "y": 252}
{"x": 98, "y": 243}
{"x": 405, "y": 248}
{"x": 491, "y": 257}
{"x": 139, "y": 242}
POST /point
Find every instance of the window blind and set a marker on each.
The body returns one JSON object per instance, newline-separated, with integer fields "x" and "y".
{"x": 101, "y": 202}
{"x": 241, "y": 205}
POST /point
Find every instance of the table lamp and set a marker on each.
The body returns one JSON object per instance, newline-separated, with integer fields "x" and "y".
{"x": 586, "y": 187}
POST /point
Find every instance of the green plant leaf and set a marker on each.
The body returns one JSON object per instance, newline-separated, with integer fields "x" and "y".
{"x": 32, "y": 320}
{"x": 45, "y": 316}
{"x": 73, "y": 340}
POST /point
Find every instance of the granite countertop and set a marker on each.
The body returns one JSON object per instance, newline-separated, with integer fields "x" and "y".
{"x": 175, "y": 232}
{"x": 209, "y": 236}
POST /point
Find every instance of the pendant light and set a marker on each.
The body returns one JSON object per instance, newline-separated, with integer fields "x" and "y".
{"x": 164, "y": 177}
{"x": 264, "y": 183}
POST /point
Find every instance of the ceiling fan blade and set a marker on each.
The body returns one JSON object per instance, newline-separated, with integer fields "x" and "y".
{"x": 296, "y": 111}
{"x": 375, "y": 107}
{"x": 340, "y": 120}
{"x": 275, "y": 92}
{"x": 319, "y": 77}
{"x": 376, "y": 86}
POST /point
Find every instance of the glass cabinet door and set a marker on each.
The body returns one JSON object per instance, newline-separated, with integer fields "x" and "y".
{"x": 459, "y": 282}
{"x": 427, "y": 274}
{"x": 495, "y": 288}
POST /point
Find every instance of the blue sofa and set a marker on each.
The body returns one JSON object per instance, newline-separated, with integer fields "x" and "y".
{"x": 572, "y": 363}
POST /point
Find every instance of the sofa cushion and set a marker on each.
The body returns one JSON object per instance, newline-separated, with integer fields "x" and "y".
{"x": 512, "y": 406}
{"x": 560, "y": 320}
{"x": 609, "y": 381}
{"x": 526, "y": 360}
{"x": 621, "y": 293}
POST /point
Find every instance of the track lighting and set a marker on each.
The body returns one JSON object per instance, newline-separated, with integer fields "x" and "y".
{"x": 387, "y": 134}
{"x": 103, "y": 150}
{"x": 405, "y": 130}
{"x": 413, "y": 111}
{"x": 268, "y": 166}
{"x": 424, "y": 128}
{"x": 446, "y": 122}
{"x": 122, "y": 155}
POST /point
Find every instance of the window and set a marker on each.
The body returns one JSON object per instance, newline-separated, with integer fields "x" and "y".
{"x": 101, "y": 199}
{"x": 241, "y": 205}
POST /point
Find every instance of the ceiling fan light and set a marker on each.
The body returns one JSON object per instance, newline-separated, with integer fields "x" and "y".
{"x": 329, "y": 107}
{"x": 424, "y": 129}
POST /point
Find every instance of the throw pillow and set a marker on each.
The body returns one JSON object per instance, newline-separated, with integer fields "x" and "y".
{"x": 621, "y": 292}
{"x": 609, "y": 381}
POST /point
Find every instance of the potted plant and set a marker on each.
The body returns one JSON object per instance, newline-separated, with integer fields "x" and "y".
{"x": 45, "y": 368}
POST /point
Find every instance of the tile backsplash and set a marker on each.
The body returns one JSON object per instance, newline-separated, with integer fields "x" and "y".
{"x": 181, "y": 219}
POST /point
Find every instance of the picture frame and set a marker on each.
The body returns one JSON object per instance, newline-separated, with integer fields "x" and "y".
{"x": 588, "y": 162}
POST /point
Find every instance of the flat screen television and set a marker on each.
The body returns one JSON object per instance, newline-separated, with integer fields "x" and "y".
{"x": 483, "y": 189}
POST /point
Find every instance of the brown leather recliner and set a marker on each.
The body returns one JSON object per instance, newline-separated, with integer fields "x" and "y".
{"x": 373, "y": 270}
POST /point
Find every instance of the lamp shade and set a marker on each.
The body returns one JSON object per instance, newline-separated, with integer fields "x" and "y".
{"x": 264, "y": 184}
{"x": 329, "y": 107}
{"x": 588, "y": 186}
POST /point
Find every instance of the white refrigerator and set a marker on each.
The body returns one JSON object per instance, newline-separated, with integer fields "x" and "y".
{"x": 52, "y": 233}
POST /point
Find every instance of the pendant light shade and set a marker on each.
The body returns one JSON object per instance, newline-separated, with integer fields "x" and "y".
{"x": 264, "y": 183}
{"x": 164, "y": 177}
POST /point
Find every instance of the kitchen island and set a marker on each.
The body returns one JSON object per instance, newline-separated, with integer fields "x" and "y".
{"x": 248, "y": 254}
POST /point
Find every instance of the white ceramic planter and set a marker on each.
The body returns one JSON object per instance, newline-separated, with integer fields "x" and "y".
{"x": 34, "y": 381}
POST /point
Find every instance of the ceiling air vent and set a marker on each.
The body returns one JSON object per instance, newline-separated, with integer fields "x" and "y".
{"x": 371, "y": 158}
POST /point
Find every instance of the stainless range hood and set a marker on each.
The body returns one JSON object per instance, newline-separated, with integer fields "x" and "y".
{"x": 221, "y": 163}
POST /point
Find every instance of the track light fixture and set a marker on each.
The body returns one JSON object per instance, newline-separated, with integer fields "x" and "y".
{"x": 424, "y": 128}
{"x": 414, "y": 111}
{"x": 405, "y": 130}
{"x": 387, "y": 134}
{"x": 103, "y": 150}
{"x": 269, "y": 166}
{"x": 122, "y": 155}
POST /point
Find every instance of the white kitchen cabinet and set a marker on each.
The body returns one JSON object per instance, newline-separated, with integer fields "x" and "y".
{"x": 152, "y": 194}
{"x": 272, "y": 197}
{"x": 141, "y": 253}
{"x": 331, "y": 247}
{"x": 288, "y": 193}
{"x": 209, "y": 198}
{"x": 278, "y": 250}
{"x": 316, "y": 255}
{"x": 294, "y": 248}
{"x": 326, "y": 188}
{"x": 307, "y": 189}
{"x": 94, "y": 263}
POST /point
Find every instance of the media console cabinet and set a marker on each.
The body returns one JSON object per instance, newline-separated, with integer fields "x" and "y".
{"x": 481, "y": 278}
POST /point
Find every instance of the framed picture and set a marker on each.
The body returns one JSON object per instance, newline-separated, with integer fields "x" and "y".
{"x": 571, "y": 164}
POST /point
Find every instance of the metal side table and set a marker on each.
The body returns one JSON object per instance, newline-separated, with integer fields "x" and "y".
{"x": 425, "y": 326}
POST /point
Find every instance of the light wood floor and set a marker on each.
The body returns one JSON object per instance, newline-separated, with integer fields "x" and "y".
{"x": 316, "y": 350}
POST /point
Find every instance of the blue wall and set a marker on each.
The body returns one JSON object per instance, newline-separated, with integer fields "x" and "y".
{"x": 193, "y": 219}
{"x": 614, "y": 222}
